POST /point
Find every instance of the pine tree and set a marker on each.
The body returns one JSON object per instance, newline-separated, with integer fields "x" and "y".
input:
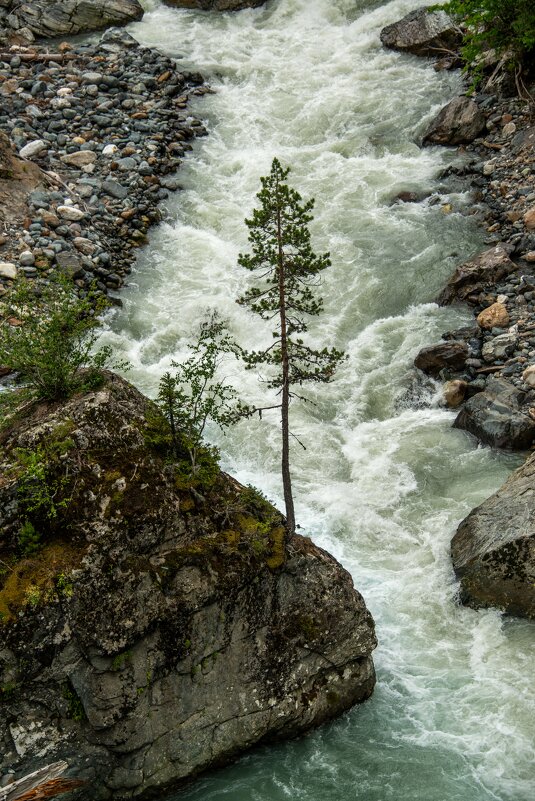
{"x": 287, "y": 270}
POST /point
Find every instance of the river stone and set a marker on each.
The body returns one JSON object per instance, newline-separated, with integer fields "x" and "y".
{"x": 498, "y": 348}
{"x": 495, "y": 316}
{"x": 460, "y": 121}
{"x": 8, "y": 270}
{"x": 215, "y": 5}
{"x": 529, "y": 219}
{"x": 493, "y": 550}
{"x": 528, "y": 376}
{"x": 33, "y": 149}
{"x": 80, "y": 158}
{"x": 50, "y": 18}
{"x": 114, "y": 189}
{"x": 191, "y": 629}
{"x": 498, "y": 417}
{"x": 69, "y": 264}
{"x": 454, "y": 393}
{"x": 434, "y": 358}
{"x": 70, "y": 213}
{"x": 423, "y": 33}
{"x": 478, "y": 275}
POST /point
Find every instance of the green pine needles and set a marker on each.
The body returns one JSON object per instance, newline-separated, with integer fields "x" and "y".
{"x": 288, "y": 274}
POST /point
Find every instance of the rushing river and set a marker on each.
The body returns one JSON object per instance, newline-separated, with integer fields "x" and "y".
{"x": 383, "y": 481}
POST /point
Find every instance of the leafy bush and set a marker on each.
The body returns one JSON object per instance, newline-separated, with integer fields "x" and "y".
{"x": 48, "y": 336}
{"x": 507, "y": 26}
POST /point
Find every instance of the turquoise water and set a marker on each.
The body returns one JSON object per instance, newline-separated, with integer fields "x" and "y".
{"x": 382, "y": 483}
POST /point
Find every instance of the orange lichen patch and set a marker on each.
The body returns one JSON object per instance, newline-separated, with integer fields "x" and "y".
{"x": 32, "y": 580}
{"x": 50, "y": 789}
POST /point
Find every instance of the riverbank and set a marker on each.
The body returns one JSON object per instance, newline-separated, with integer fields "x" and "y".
{"x": 98, "y": 132}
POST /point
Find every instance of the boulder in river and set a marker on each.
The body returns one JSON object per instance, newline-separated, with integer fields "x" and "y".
{"x": 216, "y": 5}
{"x": 434, "y": 358}
{"x": 423, "y": 33}
{"x": 51, "y": 18}
{"x": 459, "y": 122}
{"x": 156, "y": 625}
{"x": 477, "y": 276}
{"x": 493, "y": 550}
{"x": 498, "y": 416}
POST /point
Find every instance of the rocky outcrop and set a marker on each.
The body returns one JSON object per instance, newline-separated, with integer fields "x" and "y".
{"x": 434, "y": 358}
{"x": 459, "y": 122}
{"x": 216, "y": 5}
{"x": 154, "y": 625}
{"x": 474, "y": 278}
{"x": 499, "y": 416}
{"x": 494, "y": 548}
{"x": 49, "y": 18}
{"x": 422, "y": 33}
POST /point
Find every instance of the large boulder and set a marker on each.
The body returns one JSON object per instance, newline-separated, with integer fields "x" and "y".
{"x": 216, "y": 5}
{"x": 474, "y": 278}
{"x": 423, "y": 33}
{"x": 499, "y": 416}
{"x": 434, "y": 358}
{"x": 49, "y": 18}
{"x": 153, "y": 625}
{"x": 459, "y": 122}
{"x": 493, "y": 550}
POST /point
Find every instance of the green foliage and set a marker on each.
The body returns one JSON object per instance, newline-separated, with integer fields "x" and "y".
{"x": 195, "y": 395}
{"x": 507, "y": 26}
{"x": 288, "y": 272}
{"x": 75, "y": 706}
{"x": 29, "y": 539}
{"x": 39, "y": 490}
{"x": 64, "y": 586}
{"x": 53, "y": 338}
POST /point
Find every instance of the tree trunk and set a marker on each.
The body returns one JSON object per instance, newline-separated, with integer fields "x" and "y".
{"x": 286, "y": 478}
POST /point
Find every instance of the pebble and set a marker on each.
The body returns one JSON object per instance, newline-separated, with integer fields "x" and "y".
{"x": 32, "y": 149}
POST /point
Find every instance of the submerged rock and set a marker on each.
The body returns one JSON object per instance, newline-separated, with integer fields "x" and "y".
{"x": 459, "y": 122}
{"x": 153, "y": 626}
{"x": 434, "y": 358}
{"x": 498, "y": 416}
{"x": 493, "y": 550}
{"x": 216, "y": 5}
{"x": 423, "y": 33}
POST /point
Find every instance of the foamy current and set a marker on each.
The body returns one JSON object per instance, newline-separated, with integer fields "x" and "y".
{"x": 384, "y": 480}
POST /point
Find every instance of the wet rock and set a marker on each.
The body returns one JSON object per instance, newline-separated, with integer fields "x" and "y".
{"x": 460, "y": 121}
{"x": 32, "y": 149}
{"x": 80, "y": 159}
{"x": 167, "y": 636}
{"x": 478, "y": 275}
{"x": 498, "y": 416}
{"x": 493, "y": 550}
{"x": 216, "y": 5}
{"x": 8, "y": 270}
{"x": 422, "y": 33}
{"x": 70, "y": 213}
{"x": 499, "y": 347}
{"x": 495, "y": 316}
{"x": 49, "y": 18}
{"x": 434, "y": 358}
{"x": 529, "y": 220}
{"x": 454, "y": 393}
{"x": 528, "y": 376}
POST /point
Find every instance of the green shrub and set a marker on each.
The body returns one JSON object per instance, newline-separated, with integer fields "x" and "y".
{"x": 507, "y": 26}
{"x": 29, "y": 539}
{"x": 49, "y": 336}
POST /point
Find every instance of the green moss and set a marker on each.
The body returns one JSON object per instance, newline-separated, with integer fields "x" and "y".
{"x": 76, "y": 709}
{"x": 120, "y": 661}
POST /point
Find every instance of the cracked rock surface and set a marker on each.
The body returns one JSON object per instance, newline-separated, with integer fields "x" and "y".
{"x": 158, "y": 629}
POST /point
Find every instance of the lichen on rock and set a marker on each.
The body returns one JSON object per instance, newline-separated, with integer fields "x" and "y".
{"x": 152, "y": 630}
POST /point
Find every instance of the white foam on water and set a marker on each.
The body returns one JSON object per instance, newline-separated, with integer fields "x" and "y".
{"x": 382, "y": 483}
